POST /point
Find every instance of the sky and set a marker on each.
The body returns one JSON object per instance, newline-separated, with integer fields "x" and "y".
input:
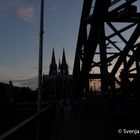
{"x": 19, "y": 37}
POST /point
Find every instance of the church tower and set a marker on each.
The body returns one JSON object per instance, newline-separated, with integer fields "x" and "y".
{"x": 59, "y": 68}
{"x": 64, "y": 65}
{"x": 53, "y": 65}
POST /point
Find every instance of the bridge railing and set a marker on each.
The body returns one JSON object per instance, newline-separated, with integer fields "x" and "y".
{"x": 37, "y": 127}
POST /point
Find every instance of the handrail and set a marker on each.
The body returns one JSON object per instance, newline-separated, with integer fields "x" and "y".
{"x": 22, "y": 124}
{"x": 12, "y": 130}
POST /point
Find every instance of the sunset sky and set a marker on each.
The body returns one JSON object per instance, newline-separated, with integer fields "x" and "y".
{"x": 19, "y": 36}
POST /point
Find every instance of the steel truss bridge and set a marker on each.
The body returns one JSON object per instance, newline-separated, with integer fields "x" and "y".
{"x": 107, "y": 49}
{"x": 108, "y": 46}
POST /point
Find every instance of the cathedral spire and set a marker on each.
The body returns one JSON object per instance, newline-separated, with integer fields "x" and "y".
{"x": 64, "y": 66}
{"x": 64, "y": 58}
{"x": 59, "y": 67}
{"x": 53, "y": 65}
{"x": 53, "y": 62}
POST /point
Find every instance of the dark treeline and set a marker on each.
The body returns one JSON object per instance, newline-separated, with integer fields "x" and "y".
{"x": 13, "y": 98}
{"x": 12, "y": 94}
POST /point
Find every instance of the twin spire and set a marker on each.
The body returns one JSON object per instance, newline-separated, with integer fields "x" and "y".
{"x": 53, "y": 65}
{"x": 62, "y": 68}
{"x": 53, "y": 62}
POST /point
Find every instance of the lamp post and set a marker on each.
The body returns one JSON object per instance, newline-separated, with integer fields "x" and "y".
{"x": 40, "y": 54}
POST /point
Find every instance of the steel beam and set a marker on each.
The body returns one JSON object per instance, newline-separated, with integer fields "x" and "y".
{"x": 97, "y": 49}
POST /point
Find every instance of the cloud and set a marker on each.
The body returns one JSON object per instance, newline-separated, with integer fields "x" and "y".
{"x": 7, "y": 5}
{"x": 23, "y": 10}
{"x": 26, "y": 12}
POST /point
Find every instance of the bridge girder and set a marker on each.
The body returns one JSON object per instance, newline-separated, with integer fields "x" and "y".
{"x": 107, "y": 41}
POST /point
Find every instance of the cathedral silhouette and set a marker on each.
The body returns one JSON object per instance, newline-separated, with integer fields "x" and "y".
{"x": 58, "y": 82}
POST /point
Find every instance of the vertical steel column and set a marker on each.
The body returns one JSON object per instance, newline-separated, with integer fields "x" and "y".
{"x": 80, "y": 49}
{"x": 103, "y": 57}
{"x": 102, "y": 43}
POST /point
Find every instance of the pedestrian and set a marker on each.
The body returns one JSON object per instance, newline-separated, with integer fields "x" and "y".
{"x": 74, "y": 108}
{"x": 61, "y": 105}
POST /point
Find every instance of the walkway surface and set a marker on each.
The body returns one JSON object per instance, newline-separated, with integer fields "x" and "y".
{"x": 94, "y": 124}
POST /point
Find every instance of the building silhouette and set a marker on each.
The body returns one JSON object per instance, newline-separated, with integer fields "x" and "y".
{"x": 58, "y": 82}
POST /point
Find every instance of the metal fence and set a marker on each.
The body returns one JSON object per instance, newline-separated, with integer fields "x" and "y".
{"x": 37, "y": 127}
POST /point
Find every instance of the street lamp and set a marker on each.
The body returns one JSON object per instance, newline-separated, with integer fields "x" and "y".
{"x": 40, "y": 54}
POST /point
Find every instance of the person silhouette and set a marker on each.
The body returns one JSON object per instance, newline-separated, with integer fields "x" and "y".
{"x": 61, "y": 105}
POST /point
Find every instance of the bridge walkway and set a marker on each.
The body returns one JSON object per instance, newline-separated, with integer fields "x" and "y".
{"x": 93, "y": 123}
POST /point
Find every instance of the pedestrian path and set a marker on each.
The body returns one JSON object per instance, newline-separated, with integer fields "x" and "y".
{"x": 90, "y": 125}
